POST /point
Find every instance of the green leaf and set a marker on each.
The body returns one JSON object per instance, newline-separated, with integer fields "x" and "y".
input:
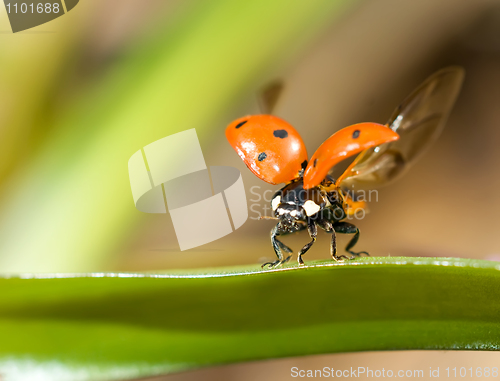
{"x": 112, "y": 326}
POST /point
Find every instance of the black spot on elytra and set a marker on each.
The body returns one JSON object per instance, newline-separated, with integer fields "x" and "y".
{"x": 282, "y": 134}
{"x": 304, "y": 164}
{"x": 241, "y": 123}
{"x": 315, "y": 162}
{"x": 262, "y": 156}
{"x": 355, "y": 134}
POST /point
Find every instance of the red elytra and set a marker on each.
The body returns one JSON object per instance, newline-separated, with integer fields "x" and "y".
{"x": 270, "y": 147}
{"x": 345, "y": 143}
{"x": 274, "y": 151}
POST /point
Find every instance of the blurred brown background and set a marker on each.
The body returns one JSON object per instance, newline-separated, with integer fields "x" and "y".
{"x": 410, "y": 361}
{"x": 359, "y": 70}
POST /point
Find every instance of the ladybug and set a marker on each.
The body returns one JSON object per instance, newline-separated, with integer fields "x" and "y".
{"x": 275, "y": 152}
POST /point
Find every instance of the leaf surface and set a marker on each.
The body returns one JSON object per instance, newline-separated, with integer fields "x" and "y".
{"x": 115, "y": 326}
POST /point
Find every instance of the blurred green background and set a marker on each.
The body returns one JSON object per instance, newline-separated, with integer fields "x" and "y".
{"x": 88, "y": 90}
{"x": 81, "y": 94}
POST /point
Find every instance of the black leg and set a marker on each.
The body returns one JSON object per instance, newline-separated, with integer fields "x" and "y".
{"x": 286, "y": 249}
{"x": 328, "y": 227}
{"x": 313, "y": 233}
{"x": 333, "y": 249}
{"x": 347, "y": 228}
{"x": 278, "y": 246}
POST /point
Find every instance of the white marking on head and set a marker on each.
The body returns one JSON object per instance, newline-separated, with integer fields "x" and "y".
{"x": 275, "y": 202}
{"x": 311, "y": 208}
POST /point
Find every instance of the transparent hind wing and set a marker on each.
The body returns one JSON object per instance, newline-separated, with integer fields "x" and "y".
{"x": 269, "y": 96}
{"x": 418, "y": 120}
